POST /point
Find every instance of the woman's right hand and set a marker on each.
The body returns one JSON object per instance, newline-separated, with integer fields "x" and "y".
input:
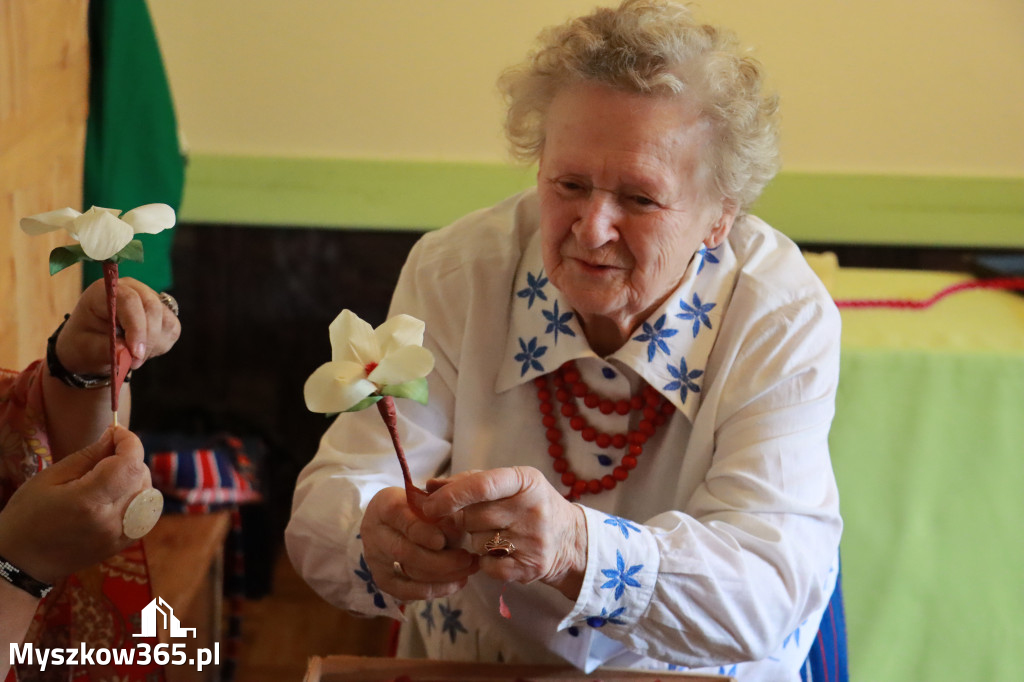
{"x": 431, "y": 564}
{"x": 70, "y": 514}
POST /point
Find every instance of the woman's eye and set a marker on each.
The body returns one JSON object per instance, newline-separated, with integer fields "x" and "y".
{"x": 644, "y": 202}
{"x": 571, "y": 186}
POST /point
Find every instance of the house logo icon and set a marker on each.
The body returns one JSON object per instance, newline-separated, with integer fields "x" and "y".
{"x": 170, "y": 621}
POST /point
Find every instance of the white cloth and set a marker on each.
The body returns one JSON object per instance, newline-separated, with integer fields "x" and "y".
{"x": 718, "y": 553}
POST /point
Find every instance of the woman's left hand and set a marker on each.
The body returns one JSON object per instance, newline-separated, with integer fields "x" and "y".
{"x": 76, "y": 417}
{"x": 518, "y": 504}
{"x": 150, "y": 327}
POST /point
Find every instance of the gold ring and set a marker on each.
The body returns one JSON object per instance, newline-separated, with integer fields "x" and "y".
{"x": 499, "y": 547}
{"x": 169, "y": 301}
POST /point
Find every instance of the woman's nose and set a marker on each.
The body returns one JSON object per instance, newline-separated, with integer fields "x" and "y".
{"x": 597, "y": 224}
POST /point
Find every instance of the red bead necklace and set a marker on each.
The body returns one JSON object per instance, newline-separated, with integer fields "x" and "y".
{"x": 567, "y": 388}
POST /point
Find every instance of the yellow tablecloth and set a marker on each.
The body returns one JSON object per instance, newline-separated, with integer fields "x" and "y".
{"x": 928, "y": 447}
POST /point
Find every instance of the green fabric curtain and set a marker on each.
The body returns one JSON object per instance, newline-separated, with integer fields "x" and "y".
{"x": 132, "y": 155}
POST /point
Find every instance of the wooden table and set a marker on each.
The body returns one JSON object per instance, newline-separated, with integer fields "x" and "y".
{"x": 367, "y": 669}
{"x": 186, "y": 565}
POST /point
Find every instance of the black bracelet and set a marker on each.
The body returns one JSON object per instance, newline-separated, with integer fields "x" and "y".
{"x": 23, "y": 580}
{"x": 59, "y": 371}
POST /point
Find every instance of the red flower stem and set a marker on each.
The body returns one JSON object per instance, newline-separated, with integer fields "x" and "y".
{"x": 386, "y": 407}
{"x": 414, "y": 495}
{"x": 110, "y": 285}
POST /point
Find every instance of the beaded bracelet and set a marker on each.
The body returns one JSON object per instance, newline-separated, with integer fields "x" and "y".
{"x": 59, "y": 371}
{"x": 23, "y": 580}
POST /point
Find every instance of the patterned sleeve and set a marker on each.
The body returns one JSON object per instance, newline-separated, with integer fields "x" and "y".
{"x": 24, "y": 446}
{"x": 354, "y": 462}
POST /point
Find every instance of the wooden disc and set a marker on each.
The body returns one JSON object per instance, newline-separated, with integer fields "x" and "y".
{"x": 143, "y": 512}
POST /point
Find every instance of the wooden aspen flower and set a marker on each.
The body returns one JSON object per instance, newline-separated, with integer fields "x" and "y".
{"x": 371, "y": 366}
{"x": 368, "y": 364}
{"x": 101, "y": 234}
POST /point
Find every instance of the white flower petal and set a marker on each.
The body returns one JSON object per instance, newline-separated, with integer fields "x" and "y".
{"x": 101, "y": 234}
{"x": 352, "y": 339}
{"x": 335, "y": 387}
{"x": 399, "y": 331}
{"x": 150, "y": 219}
{"x": 402, "y": 365}
{"x": 49, "y": 221}
{"x": 94, "y": 213}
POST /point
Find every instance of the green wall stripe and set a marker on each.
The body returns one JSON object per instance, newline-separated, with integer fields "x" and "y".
{"x": 414, "y": 195}
{"x": 897, "y": 210}
{"x": 342, "y": 193}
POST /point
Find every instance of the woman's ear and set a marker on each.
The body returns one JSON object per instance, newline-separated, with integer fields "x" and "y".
{"x": 720, "y": 230}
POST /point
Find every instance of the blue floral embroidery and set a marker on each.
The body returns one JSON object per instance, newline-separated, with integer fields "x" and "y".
{"x": 608, "y": 373}
{"x": 427, "y": 614}
{"x": 706, "y": 255}
{"x": 620, "y": 576}
{"x": 603, "y": 459}
{"x": 371, "y": 587}
{"x": 698, "y": 312}
{"x": 452, "y": 625}
{"x": 534, "y": 289}
{"x": 730, "y": 671}
{"x": 684, "y": 379}
{"x": 794, "y": 636}
{"x": 625, "y": 525}
{"x": 530, "y": 354}
{"x": 679, "y": 668}
{"x": 654, "y": 337}
{"x": 558, "y": 322}
{"x": 573, "y": 630}
{"x": 605, "y": 618}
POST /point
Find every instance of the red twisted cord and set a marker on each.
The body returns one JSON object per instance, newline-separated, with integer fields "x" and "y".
{"x": 1012, "y": 283}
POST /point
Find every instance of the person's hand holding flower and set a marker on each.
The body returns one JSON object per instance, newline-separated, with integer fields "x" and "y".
{"x": 107, "y": 237}
{"x": 372, "y": 366}
{"x": 150, "y": 328}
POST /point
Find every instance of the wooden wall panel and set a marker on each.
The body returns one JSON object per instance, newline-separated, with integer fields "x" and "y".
{"x": 44, "y": 73}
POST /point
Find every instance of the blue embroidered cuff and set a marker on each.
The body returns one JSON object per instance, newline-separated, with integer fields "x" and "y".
{"x": 622, "y": 567}
{"x": 375, "y": 602}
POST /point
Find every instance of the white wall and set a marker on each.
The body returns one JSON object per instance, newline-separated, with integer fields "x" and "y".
{"x": 904, "y": 86}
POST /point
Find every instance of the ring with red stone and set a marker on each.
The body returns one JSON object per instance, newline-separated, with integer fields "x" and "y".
{"x": 499, "y": 547}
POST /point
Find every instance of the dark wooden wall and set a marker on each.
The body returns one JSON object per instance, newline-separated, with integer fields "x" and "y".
{"x": 255, "y": 306}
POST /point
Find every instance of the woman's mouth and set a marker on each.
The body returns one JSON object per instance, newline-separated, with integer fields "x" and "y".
{"x": 595, "y": 267}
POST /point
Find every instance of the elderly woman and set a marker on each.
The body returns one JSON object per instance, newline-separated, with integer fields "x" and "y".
{"x": 633, "y": 391}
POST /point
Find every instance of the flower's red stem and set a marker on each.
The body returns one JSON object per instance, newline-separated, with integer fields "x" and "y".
{"x": 414, "y": 495}
{"x": 386, "y": 406}
{"x": 110, "y": 285}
